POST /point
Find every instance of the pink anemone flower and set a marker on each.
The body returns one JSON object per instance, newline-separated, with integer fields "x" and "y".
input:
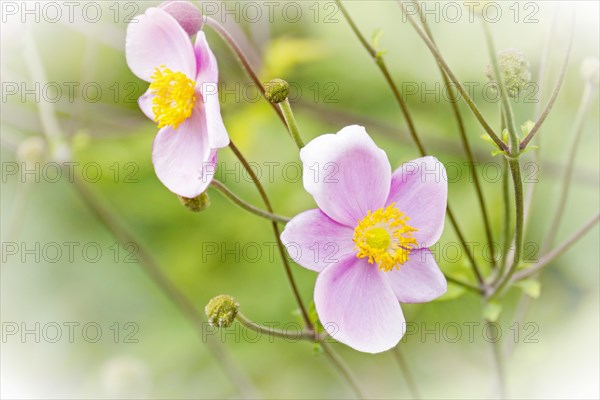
{"x": 182, "y": 99}
{"x": 369, "y": 238}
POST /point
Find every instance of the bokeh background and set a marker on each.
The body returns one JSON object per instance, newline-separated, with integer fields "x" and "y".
{"x": 335, "y": 84}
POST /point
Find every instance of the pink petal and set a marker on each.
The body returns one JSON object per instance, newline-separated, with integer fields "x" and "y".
{"x": 145, "y": 103}
{"x": 207, "y": 83}
{"x": 346, "y": 173}
{"x": 206, "y": 63}
{"x": 182, "y": 158}
{"x": 155, "y": 39}
{"x": 419, "y": 280}
{"x": 420, "y": 190}
{"x": 357, "y": 306}
{"x": 314, "y": 240}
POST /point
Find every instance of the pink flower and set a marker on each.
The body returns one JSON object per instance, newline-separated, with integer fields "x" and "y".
{"x": 182, "y": 99}
{"x": 369, "y": 238}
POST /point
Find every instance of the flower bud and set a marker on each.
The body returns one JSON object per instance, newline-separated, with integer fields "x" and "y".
{"x": 32, "y": 150}
{"x": 277, "y": 90}
{"x": 221, "y": 311}
{"x": 196, "y": 204}
{"x": 187, "y": 14}
{"x": 514, "y": 68}
{"x": 590, "y": 69}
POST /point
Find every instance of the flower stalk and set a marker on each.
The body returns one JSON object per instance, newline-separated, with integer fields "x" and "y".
{"x": 235, "y": 199}
{"x": 292, "y": 125}
{"x": 309, "y": 335}
{"x": 513, "y": 160}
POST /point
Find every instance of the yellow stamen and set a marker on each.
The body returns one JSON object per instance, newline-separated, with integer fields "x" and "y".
{"x": 174, "y": 97}
{"x": 384, "y": 238}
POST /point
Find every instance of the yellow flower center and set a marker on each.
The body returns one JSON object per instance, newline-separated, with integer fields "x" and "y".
{"x": 174, "y": 97}
{"x": 385, "y": 238}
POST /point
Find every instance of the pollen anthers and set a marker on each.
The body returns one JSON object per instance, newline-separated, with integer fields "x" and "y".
{"x": 385, "y": 238}
{"x": 174, "y": 97}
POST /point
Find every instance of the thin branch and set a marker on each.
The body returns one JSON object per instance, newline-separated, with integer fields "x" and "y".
{"x": 246, "y": 206}
{"x": 554, "y": 254}
{"x": 154, "y": 271}
{"x": 343, "y": 369}
{"x": 221, "y": 31}
{"x": 405, "y": 370}
{"x": 554, "y": 95}
{"x": 442, "y": 62}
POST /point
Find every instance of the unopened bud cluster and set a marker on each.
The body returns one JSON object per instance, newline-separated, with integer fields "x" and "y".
{"x": 221, "y": 311}
{"x": 514, "y": 68}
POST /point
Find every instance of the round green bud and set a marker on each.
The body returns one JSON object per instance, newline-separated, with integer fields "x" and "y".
{"x": 277, "y": 90}
{"x": 514, "y": 68}
{"x": 221, "y": 311}
{"x": 590, "y": 69}
{"x": 196, "y": 204}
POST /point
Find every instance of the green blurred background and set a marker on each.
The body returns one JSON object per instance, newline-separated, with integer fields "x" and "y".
{"x": 340, "y": 85}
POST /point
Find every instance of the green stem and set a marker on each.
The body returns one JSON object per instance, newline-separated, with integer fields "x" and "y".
{"x": 112, "y": 222}
{"x": 586, "y": 101}
{"x": 513, "y": 160}
{"x": 506, "y": 106}
{"x": 276, "y": 233}
{"x": 554, "y": 254}
{"x": 506, "y": 229}
{"x": 404, "y": 368}
{"x": 465, "y": 142}
{"x": 308, "y": 335}
{"x": 411, "y": 127}
{"x": 221, "y": 31}
{"x": 466, "y": 285}
{"x": 343, "y": 369}
{"x": 291, "y": 122}
{"x": 388, "y": 77}
{"x": 465, "y": 95}
{"x": 248, "y": 207}
{"x": 518, "y": 189}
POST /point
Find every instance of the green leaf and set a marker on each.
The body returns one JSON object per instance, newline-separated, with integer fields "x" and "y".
{"x": 491, "y": 311}
{"x": 530, "y": 287}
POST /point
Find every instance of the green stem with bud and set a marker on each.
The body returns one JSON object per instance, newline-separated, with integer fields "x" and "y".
{"x": 292, "y": 125}
{"x": 512, "y": 158}
{"x": 276, "y": 233}
{"x": 411, "y": 127}
{"x": 246, "y": 206}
